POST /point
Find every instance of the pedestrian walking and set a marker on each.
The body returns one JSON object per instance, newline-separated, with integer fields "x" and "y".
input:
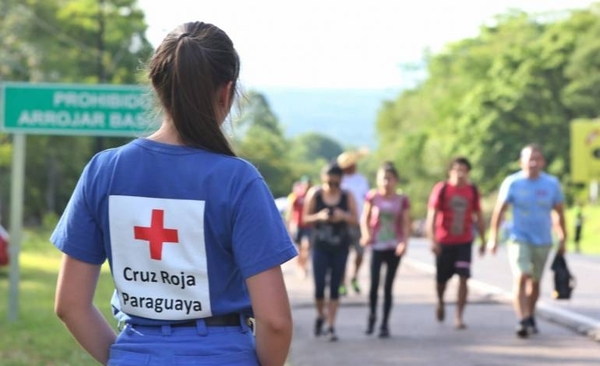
{"x": 358, "y": 185}
{"x": 191, "y": 232}
{"x": 533, "y": 196}
{"x": 453, "y": 211}
{"x": 385, "y": 227}
{"x": 331, "y": 211}
{"x": 299, "y": 231}
{"x": 578, "y": 227}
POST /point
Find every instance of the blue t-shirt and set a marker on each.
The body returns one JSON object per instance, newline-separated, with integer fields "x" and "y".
{"x": 182, "y": 229}
{"x": 533, "y": 201}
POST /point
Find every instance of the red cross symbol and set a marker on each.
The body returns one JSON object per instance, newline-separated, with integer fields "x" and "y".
{"x": 156, "y": 234}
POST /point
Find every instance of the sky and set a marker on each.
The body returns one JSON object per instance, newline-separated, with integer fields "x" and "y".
{"x": 337, "y": 44}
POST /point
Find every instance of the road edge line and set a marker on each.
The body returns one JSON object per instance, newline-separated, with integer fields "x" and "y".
{"x": 579, "y": 323}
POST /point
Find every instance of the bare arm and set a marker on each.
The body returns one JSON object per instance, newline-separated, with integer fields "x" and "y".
{"x": 481, "y": 230}
{"x": 497, "y": 215}
{"x": 406, "y": 232}
{"x": 309, "y": 215}
{"x": 74, "y": 306}
{"x": 406, "y": 224}
{"x": 430, "y": 229}
{"x": 288, "y": 213}
{"x": 561, "y": 228}
{"x": 273, "y": 316}
{"x": 366, "y": 234}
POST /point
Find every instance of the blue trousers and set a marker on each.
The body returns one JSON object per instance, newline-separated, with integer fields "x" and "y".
{"x": 184, "y": 346}
{"x": 332, "y": 262}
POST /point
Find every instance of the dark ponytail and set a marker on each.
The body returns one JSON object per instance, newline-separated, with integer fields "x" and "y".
{"x": 187, "y": 71}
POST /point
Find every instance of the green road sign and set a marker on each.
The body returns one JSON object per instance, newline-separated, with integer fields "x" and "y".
{"x": 76, "y": 109}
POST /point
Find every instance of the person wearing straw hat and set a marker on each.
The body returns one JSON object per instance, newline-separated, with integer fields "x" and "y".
{"x": 358, "y": 185}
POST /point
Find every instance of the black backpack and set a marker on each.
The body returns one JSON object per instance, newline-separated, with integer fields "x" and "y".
{"x": 564, "y": 282}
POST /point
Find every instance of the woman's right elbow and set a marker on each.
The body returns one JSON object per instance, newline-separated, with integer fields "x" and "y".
{"x": 63, "y": 310}
{"x": 60, "y": 310}
{"x": 280, "y": 325}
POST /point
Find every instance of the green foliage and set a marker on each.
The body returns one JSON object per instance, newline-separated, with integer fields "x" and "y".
{"x": 71, "y": 41}
{"x": 521, "y": 80}
{"x": 38, "y": 337}
{"x": 261, "y": 141}
{"x": 590, "y": 229}
{"x": 312, "y": 146}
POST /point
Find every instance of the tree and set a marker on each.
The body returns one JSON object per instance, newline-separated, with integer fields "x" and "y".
{"x": 312, "y": 146}
{"x": 79, "y": 41}
{"x": 261, "y": 141}
{"x": 521, "y": 80}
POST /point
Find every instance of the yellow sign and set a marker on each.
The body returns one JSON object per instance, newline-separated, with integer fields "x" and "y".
{"x": 585, "y": 150}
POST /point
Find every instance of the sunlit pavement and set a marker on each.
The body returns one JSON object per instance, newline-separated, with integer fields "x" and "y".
{"x": 418, "y": 339}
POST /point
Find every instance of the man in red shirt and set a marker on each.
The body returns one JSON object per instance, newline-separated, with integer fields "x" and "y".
{"x": 452, "y": 212}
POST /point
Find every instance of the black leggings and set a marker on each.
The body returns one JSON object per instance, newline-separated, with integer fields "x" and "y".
{"x": 332, "y": 263}
{"x": 392, "y": 261}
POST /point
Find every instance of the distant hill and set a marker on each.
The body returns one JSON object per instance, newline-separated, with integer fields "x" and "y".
{"x": 346, "y": 115}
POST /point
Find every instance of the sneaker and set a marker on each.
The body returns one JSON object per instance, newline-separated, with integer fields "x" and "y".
{"x": 371, "y": 324}
{"x": 343, "y": 290}
{"x": 355, "y": 285}
{"x": 331, "y": 336}
{"x": 384, "y": 332}
{"x": 319, "y": 326}
{"x": 532, "y": 326}
{"x": 521, "y": 328}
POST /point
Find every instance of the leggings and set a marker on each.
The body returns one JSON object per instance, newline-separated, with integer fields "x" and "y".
{"x": 332, "y": 261}
{"x": 392, "y": 261}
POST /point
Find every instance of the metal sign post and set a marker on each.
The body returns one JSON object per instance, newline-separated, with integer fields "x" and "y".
{"x": 62, "y": 109}
{"x": 16, "y": 221}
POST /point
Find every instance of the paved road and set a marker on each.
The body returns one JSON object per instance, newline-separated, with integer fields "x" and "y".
{"x": 417, "y": 338}
{"x": 492, "y": 274}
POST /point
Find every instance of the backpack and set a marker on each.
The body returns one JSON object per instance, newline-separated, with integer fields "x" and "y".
{"x": 442, "y": 194}
{"x": 564, "y": 282}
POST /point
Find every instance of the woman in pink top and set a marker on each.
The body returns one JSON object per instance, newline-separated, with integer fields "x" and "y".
{"x": 385, "y": 227}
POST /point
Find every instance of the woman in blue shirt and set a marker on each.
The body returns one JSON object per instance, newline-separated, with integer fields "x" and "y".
{"x": 191, "y": 232}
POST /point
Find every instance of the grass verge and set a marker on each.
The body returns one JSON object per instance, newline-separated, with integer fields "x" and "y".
{"x": 38, "y": 337}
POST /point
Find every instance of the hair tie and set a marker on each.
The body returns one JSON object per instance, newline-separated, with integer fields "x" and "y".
{"x": 182, "y": 35}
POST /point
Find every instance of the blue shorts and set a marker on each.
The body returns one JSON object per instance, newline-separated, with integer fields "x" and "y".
{"x": 184, "y": 346}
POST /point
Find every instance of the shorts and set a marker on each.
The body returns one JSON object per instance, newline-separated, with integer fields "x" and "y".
{"x": 301, "y": 234}
{"x": 525, "y": 258}
{"x": 190, "y": 345}
{"x": 354, "y": 234}
{"x": 453, "y": 259}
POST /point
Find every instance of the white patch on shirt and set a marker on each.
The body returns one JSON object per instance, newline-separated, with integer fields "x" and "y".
{"x": 171, "y": 281}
